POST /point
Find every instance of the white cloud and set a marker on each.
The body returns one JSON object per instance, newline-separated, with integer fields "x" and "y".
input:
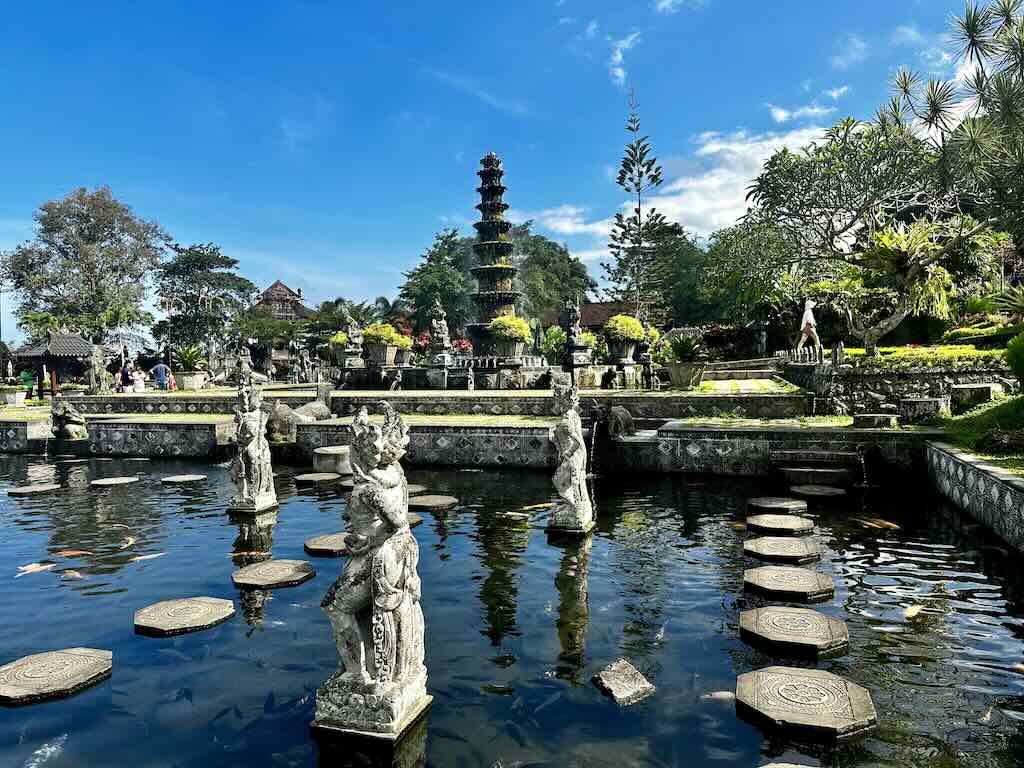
{"x": 906, "y": 34}
{"x": 932, "y": 49}
{"x": 780, "y": 115}
{"x": 616, "y": 62}
{"x": 852, "y": 51}
{"x": 673, "y": 6}
{"x": 563, "y": 220}
{"x": 591, "y": 29}
{"x": 471, "y": 87}
{"x": 566, "y": 20}
{"x": 837, "y": 93}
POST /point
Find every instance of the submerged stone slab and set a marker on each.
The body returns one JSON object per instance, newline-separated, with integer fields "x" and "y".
{"x": 328, "y": 545}
{"x": 623, "y": 682}
{"x": 818, "y": 491}
{"x": 176, "y": 617}
{"x": 415, "y": 489}
{"x": 787, "y": 525}
{"x": 777, "y": 505}
{"x": 333, "y": 458}
{"x": 784, "y": 582}
{"x": 107, "y": 482}
{"x": 814, "y": 703}
{"x": 787, "y": 549}
{"x": 271, "y": 574}
{"x": 33, "y": 490}
{"x": 181, "y": 479}
{"x": 53, "y": 674}
{"x": 816, "y": 475}
{"x": 317, "y": 478}
{"x": 432, "y": 501}
{"x": 799, "y": 631}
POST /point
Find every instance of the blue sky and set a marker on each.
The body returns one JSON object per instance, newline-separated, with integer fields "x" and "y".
{"x": 325, "y": 143}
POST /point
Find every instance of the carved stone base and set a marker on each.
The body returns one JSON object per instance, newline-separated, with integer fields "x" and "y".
{"x": 565, "y": 521}
{"x": 264, "y": 501}
{"x": 354, "y": 708}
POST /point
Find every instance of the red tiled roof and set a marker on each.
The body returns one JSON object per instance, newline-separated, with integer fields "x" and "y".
{"x": 593, "y": 315}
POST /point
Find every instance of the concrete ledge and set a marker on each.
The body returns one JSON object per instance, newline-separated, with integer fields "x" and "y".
{"x": 990, "y": 494}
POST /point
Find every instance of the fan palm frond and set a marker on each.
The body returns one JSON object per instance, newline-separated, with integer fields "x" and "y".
{"x": 973, "y": 32}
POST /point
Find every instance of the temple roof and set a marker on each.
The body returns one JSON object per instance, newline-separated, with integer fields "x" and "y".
{"x": 593, "y": 315}
{"x": 278, "y": 291}
{"x": 57, "y": 345}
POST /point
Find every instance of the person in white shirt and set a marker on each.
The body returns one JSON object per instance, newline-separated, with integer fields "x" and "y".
{"x": 808, "y": 326}
{"x": 139, "y": 380}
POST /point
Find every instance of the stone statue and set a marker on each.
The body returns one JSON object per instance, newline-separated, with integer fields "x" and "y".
{"x": 440, "y": 337}
{"x": 282, "y": 421}
{"x": 352, "y": 356}
{"x": 251, "y": 469}
{"x": 576, "y": 513}
{"x": 620, "y": 422}
{"x": 305, "y": 367}
{"x": 244, "y": 363}
{"x": 374, "y": 606}
{"x": 66, "y": 422}
{"x": 571, "y": 324}
{"x": 99, "y": 379}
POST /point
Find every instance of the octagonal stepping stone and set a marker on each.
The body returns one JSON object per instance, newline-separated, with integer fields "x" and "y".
{"x": 415, "y": 489}
{"x": 176, "y": 617}
{"x": 623, "y": 682}
{"x": 33, "y": 490}
{"x": 432, "y": 501}
{"x": 781, "y": 525}
{"x": 787, "y": 549}
{"x": 784, "y": 582}
{"x": 53, "y": 674}
{"x": 777, "y": 505}
{"x": 333, "y": 458}
{"x": 328, "y": 545}
{"x": 797, "y": 631}
{"x": 831, "y": 476}
{"x": 271, "y": 574}
{"x": 811, "y": 702}
{"x": 108, "y": 482}
{"x": 318, "y": 478}
{"x": 818, "y": 491}
{"x": 180, "y": 479}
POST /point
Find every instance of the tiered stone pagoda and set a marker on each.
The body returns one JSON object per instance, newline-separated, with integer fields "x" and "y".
{"x": 495, "y": 275}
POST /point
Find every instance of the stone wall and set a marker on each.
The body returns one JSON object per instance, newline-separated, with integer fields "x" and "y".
{"x": 874, "y": 391}
{"x": 14, "y": 436}
{"x": 462, "y": 446}
{"x": 174, "y": 404}
{"x": 989, "y": 494}
{"x": 679, "y": 447}
{"x": 128, "y": 438}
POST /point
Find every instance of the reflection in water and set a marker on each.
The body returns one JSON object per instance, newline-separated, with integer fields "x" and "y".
{"x": 573, "y": 609}
{"x": 503, "y": 541}
{"x": 254, "y": 544}
{"x": 409, "y": 751}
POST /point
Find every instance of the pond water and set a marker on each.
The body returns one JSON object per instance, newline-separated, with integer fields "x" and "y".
{"x": 515, "y": 626}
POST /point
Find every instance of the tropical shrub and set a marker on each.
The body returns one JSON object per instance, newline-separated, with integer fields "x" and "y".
{"x": 588, "y": 338}
{"x": 381, "y": 333}
{"x": 1015, "y": 356}
{"x": 462, "y": 347}
{"x": 1010, "y": 301}
{"x": 946, "y": 357}
{"x": 623, "y": 328}
{"x": 554, "y": 343}
{"x": 191, "y": 358}
{"x": 510, "y": 328}
{"x": 340, "y": 339}
{"x": 684, "y": 349}
{"x": 403, "y": 342}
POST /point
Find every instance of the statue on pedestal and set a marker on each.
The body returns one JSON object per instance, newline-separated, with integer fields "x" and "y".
{"x": 352, "y": 357}
{"x": 577, "y": 353}
{"x": 251, "y": 469}
{"x": 99, "y": 379}
{"x": 576, "y": 512}
{"x": 440, "y": 336}
{"x": 66, "y": 423}
{"x": 381, "y": 684}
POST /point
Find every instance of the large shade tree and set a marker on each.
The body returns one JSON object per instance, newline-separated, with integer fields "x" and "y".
{"x": 87, "y": 267}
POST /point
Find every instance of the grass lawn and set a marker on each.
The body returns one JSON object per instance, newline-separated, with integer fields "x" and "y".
{"x": 1007, "y": 413}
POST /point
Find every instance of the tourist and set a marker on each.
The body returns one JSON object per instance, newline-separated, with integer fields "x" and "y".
{"x": 159, "y": 372}
{"x": 126, "y": 380}
{"x": 138, "y": 380}
{"x": 27, "y": 381}
{"x": 172, "y": 383}
{"x": 808, "y": 326}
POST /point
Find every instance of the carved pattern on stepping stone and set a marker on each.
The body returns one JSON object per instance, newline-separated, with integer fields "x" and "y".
{"x": 178, "y": 479}
{"x": 271, "y": 574}
{"x": 814, "y": 702}
{"x": 431, "y": 501}
{"x": 53, "y": 674}
{"x": 623, "y": 682}
{"x": 784, "y": 548}
{"x": 817, "y": 491}
{"x": 317, "y": 477}
{"x": 795, "y": 630}
{"x": 176, "y": 617}
{"x": 788, "y": 583}
{"x": 777, "y": 504}
{"x": 328, "y": 545}
{"x": 106, "y": 482}
{"x": 33, "y": 490}
{"x": 781, "y": 524}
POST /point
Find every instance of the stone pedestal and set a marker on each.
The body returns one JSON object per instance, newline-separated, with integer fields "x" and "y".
{"x": 917, "y": 410}
{"x": 333, "y": 458}
{"x": 342, "y": 750}
{"x": 875, "y": 421}
{"x": 967, "y": 396}
{"x": 354, "y": 708}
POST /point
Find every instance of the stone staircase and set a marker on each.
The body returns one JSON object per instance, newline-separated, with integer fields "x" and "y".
{"x": 808, "y": 470}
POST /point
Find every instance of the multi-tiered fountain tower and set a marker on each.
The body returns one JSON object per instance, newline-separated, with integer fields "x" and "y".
{"x": 495, "y": 275}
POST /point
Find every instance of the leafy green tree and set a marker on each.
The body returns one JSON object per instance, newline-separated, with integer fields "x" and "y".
{"x": 635, "y": 273}
{"x": 267, "y": 330}
{"x": 440, "y": 276}
{"x": 87, "y": 266}
{"x": 686, "y": 293}
{"x": 202, "y": 294}
{"x": 548, "y": 274}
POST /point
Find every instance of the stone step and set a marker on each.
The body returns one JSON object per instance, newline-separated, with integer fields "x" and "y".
{"x": 780, "y": 525}
{"x": 817, "y": 491}
{"x": 739, "y": 374}
{"x": 786, "y": 582}
{"x": 784, "y": 549}
{"x": 875, "y": 421}
{"x": 835, "y": 476}
{"x": 776, "y": 505}
{"x": 805, "y": 457}
{"x": 794, "y": 631}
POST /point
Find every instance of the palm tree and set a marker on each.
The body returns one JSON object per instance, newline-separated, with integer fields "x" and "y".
{"x": 390, "y": 311}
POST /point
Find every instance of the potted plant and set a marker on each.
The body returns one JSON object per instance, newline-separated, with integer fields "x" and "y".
{"x": 685, "y": 362}
{"x": 191, "y": 361}
{"x": 404, "y": 353}
{"x": 623, "y": 333}
{"x": 380, "y": 341}
{"x": 337, "y": 344}
{"x": 14, "y": 395}
{"x": 510, "y": 334}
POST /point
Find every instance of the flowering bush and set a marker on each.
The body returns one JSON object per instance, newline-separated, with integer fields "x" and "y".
{"x": 403, "y": 341}
{"x": 623, "y": 328}
{"x": 340, "y": 339}
{"x": 422, "y": 342}
{"x": 510, "y": 328}
{"x": 462, "y": 347}
{"x": 381, "y": 333}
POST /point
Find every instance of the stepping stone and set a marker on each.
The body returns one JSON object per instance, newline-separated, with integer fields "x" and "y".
{"x": 137, "y": 458}
{"x": 431, "y": 501}
{"x": 33, "y": 490}
{"x": 176, "y": 617}
{"x": 271, "y": 574}
{"x": 816, "y": 475}
{"x": 333, "y": 458}
{"x": 53, "y": 674}
{"x": 777, "y": 505}
{"x": 786, "y": 549}
{"x": 783, "y": 582}
{"x": 328, "y": 545}
{"x": 623, "y": 682}
{"x": 814, "y": 703}
{"x": 179, "y": 479}
{"x": 798, "y": 631}
{"x": 782, "y": 525}
{"x": 106, "y": 482}
{"x": 817, "y": 491}
{"x": 414, "y": 489}
{"x": 71, "y": 461}
{"x": 317, "y": 478}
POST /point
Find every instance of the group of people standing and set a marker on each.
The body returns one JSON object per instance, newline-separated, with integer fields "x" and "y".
{"x": 133, "y": 379}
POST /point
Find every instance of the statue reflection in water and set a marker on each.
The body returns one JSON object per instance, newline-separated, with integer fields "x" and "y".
{"x": 573, "y": 607}
{"x": 408, "y": 751}
{"x": 253, "y": 544}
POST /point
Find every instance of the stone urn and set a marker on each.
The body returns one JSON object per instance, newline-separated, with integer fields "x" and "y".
{"x": 686, "y": 375}
{"x": 14, "y": 396}
{"x": 621, "y": 351}
{"x": 192, "y": 380}
{"x": 382, "y": 355}
{"x": 506, "y": 348}
{"x": 403, "y": 357}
